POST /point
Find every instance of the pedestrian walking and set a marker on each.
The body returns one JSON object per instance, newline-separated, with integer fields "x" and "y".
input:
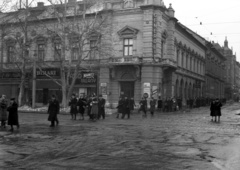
{"x": 53, "y": 111}
{"x": 73, "y": 106}
{"x": 131, "y": 105}
{"x": 160, "y": 103}
{"x": 3, "y": 111}
{"x": 101, "y": 107}
{"x": 143, "y": 107}
{"x": 217, "y": 107}
{"x": 126, "y": 108}
{"x": 82, "y": 102}
{"x": 152, "y": 106}
{"x": 120, "y": 106}
{"x": 13, "y": 114}
{"x": 94, "y": 109}
{"x": 212, "y": 110}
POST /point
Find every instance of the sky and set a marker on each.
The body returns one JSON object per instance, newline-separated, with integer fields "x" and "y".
{"x": 212, "y": 19}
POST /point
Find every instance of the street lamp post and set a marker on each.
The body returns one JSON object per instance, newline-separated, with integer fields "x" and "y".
{"x": 34, "y": 81}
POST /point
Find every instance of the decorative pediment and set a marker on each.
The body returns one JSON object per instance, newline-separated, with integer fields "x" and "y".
{"x": 128, "y": 32}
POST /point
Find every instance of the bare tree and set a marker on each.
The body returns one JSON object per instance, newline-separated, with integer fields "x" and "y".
{"x": 15, "y": 28}
{"x": 76, "y": 25}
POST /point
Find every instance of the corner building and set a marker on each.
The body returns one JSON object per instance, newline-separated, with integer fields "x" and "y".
{"x": 153, "y": 53}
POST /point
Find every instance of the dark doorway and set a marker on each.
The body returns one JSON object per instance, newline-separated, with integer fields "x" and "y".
{"x": 127, "y": 88}
{"x": 45, "y": 96}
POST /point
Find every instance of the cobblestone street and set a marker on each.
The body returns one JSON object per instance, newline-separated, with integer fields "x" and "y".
{"x": 167, "y": 141}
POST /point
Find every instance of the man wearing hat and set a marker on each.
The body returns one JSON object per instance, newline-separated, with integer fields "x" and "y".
{"x": 3, "y": 111}
{"x": 13, "y": 114}
{"x": 101, "y": 107}
{"x": 53, "y": 111}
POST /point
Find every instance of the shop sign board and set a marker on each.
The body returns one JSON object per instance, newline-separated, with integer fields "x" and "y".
{"x": 47, "y": 73}
{"x": 87, "y": 78}
{"x": 12, "y": 75}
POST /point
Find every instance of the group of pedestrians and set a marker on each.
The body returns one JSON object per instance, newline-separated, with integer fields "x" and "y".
{"x": 8, "y": 113}
{"x": 215, "y": 110}
{"x": 93, "y": 106}
{"x": 126, "y": 106}
{"x": 175, "y": 104}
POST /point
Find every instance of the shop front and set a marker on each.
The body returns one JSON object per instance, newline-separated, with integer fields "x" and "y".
{"x": 86, "y": 83}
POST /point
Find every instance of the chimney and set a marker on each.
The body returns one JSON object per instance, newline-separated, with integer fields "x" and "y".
{"x": 40, "y": 4}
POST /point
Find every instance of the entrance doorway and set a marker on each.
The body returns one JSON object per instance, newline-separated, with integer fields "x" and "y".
{"x": 127, "y": 88}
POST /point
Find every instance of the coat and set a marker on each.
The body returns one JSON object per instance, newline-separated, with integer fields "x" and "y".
{"x": 143, "y": 105}
{"x": 73, "y": 106}
{"x": 101, "y": 106}
{"x": 13, "y": 114}
{"x": 212, "y": 109}
{"x": 94, "y": 107}
{"x": 81, "y": 104}
{"x": 120, "y": 106}
{"x": 152, "y": 105}
{"x": 131, "y": 104}
{"x": 3, "y": 110}
{"x": 218, "y": 106}
{"x": 53, "y": 110}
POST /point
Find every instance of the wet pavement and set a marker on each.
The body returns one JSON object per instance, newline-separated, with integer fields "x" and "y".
{"x": 167, "y": 141}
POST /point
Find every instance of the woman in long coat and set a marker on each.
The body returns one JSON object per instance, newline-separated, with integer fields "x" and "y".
{"x": 53, "y": 110}
{"x": 73, "y": 106}
{"x": 82, "y": 104}
{"x": 3, "y": 111}
{"x": 94, "y": 110}
{"x": 152, "y": 106}
{"x": 212, "y": 110}
{"x": 13, "y": 114}
{"x": 218, "y": 106}
{"x": 120, "y": 106}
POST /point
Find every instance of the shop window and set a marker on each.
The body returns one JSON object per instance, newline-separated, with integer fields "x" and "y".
{"x": 128, "y": 47}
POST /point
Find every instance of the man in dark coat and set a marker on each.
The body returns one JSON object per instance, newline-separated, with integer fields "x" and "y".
{"x": 160, "y": 103}
{"x": 3, "y": 111}
{"x": 120, "y": 106}
{"x": 53, "y": 110}
{"x": 13, "y": 114}
{"x": 131, "y": 104}
{"x": 82, "y": 102}
{"x": 143, "y": 106}
{"x": 73, "y": 106}
{"x": 126, "y": 108}
{"x": 217, "y": 108}
{"x": 101, "y": 107}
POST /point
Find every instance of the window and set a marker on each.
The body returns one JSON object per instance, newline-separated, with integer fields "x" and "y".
{"x": 57, "y": 51}
{"x": 10, "y": 54}
{"x": 128, "y": 47}
{"x": 74, "y": 55}
{"x": 93, "y": 49}
{"x": 41, "y": 52}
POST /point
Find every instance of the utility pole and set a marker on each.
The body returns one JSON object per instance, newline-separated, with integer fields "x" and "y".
{"x": 34, "y": 81}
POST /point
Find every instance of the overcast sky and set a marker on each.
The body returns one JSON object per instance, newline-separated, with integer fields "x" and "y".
{"x": 219, "y": 18}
